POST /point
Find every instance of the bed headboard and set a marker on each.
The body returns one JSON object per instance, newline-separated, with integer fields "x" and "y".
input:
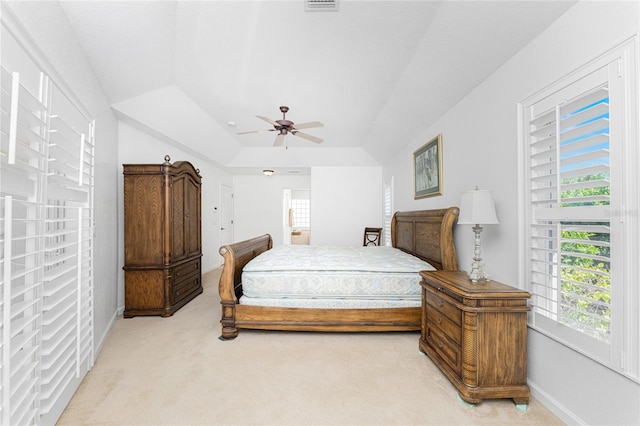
{"x": 427, "y": 234}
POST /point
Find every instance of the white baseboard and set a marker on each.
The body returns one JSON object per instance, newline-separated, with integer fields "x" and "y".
{"x": 554, "y": 406}
{"x": 98, "y": 344}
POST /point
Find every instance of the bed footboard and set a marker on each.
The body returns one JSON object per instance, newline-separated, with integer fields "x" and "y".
{"x": 236, "y": 256}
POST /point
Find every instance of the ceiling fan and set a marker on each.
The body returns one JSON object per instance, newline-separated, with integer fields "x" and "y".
{"x": 284, "y": 126}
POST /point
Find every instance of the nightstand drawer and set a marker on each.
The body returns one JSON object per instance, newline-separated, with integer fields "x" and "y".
{"x": 447, "y": 350}
{"x": 440, "y": 304}
{"x": 449, "y": 328}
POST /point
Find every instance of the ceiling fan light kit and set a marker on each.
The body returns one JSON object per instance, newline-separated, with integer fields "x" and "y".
{"x": 284, "y": 127}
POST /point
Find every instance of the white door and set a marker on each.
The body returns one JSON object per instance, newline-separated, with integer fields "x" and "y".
{"x": 226, "y": 215}
{"x": 286, "y": 216}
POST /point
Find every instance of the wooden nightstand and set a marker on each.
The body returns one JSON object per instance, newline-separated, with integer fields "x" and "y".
{"x": 476, "y": 333}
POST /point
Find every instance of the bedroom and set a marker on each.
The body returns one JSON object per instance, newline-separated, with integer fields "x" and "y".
{"x": 480, "y": 148}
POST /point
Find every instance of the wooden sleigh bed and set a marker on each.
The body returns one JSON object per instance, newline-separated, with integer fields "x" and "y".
{"x": 425, "y": 234}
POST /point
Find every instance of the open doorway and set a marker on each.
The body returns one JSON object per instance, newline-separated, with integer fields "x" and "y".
{"x": 297, "y": 216}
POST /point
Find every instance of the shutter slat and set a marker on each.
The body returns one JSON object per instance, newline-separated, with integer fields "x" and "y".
{"x": 583, "y": 144}
{"x": 593, "y": 199}
{"x": 599, "y": 110}
{"x": 59, "y": 153}
{"x": 573, "y": 213}
{"x": 598, "y": 183}
{"x": 600, "y": 125}
{"x": 587, "y": 172}
{"x": 62, "y": 127}
{"x": 583, "y": 157}
{"x": 597, "y": 228}
{"x": 544, "y": 132}
{"x": 584, "y": 100}
{"x": 543, "y": 119}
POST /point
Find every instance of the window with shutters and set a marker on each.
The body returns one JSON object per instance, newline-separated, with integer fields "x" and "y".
{"x": 46, "y": 239}
{"x": 387, "y": 193}
{"x": 578, "y": 135}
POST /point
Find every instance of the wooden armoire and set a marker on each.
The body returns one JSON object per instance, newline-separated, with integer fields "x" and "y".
{"x": 162, "y": 237}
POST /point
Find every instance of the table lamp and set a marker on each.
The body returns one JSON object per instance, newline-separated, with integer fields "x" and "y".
{"x": 477, "y": 208}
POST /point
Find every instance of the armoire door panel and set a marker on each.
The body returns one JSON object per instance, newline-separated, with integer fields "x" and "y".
{"x": 178, "y": 212}
{"x": 143, "y": 220}
{"x": 193, "y": 218}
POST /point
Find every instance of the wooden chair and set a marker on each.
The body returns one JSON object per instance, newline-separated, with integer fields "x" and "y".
{"x": 372, "y": 236}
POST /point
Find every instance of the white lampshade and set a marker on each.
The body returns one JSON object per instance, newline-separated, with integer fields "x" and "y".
{"x": 477, "y": 208}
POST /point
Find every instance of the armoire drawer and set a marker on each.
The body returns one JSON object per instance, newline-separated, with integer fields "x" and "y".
{"x": 186, "y": 269}
{"x": 186, "y": 279}
{"x": 185, "y": 287}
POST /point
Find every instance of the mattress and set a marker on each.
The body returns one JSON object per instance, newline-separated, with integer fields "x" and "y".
{"x": 333, "y": 277}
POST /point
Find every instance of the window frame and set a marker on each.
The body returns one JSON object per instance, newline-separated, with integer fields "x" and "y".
{"x": 301, "y": 212}
{"x": 387, "y": 214}
{"x": 622, "y": 353}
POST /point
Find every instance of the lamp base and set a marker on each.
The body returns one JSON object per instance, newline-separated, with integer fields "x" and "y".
{"x": 477, "y": 273}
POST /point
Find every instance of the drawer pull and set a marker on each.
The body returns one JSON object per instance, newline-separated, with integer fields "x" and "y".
{"x": 439, "y": 288}
{"x": 440, "y": 345}
{"x": 440, "y": 320}
{"x": 439, "y": 303}
{"x": 178, "y": 274}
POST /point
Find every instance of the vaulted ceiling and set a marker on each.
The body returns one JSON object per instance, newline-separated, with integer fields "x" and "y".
{"x": 376, "y": 73}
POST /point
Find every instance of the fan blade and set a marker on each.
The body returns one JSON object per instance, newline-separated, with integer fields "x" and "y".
{"x": 308, "y": 125}
{"x": 308, "y": 137}
{"x": 268, "y": 120}
{"x": 255, "y": 131}
{"x": 279, "y": 139}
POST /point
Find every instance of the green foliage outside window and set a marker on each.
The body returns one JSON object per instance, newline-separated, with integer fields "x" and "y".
{"x": 585, "y": 268}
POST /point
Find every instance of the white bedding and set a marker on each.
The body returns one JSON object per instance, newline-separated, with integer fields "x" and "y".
{"x": 333, "y": 277}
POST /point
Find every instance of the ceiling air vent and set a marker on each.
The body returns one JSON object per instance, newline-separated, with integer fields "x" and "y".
{"x": 320, "y": 5}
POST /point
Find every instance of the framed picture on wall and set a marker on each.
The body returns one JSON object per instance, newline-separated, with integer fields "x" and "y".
{"x": 427, "y": 169}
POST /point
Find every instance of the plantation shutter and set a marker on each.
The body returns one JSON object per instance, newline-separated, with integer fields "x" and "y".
{"x": 569, "y": 200}
{"x": 388, "y": 211}
{"x": 23, "y": 169}
{"x": 46, "y": 235}
{"x": 67, "y": 341}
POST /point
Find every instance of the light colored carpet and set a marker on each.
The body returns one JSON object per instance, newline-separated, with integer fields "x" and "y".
{"x": 175, "y": 371}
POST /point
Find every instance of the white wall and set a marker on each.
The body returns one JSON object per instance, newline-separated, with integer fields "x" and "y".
{"x": 137, "y": 147}
{"x": 258, "y": 207}
{"x": 344, "y": 200}
{"x": 49, "y": 30}
{"x": 480, "y": 148}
